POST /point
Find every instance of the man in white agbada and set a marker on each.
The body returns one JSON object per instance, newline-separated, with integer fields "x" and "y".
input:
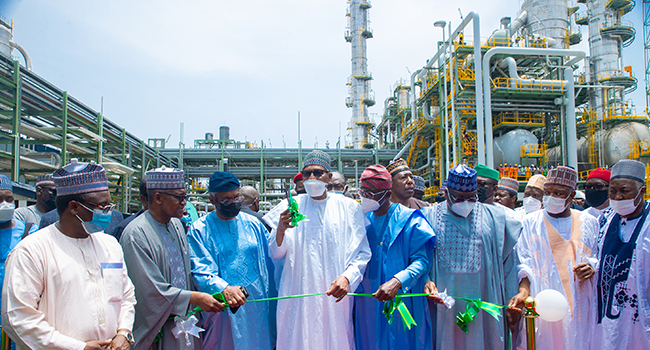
{"x": 328, "y": 252}
{"x": 557, "y": 250}
{"x": 66, "y": 286}
{"x": 623, "y": 315}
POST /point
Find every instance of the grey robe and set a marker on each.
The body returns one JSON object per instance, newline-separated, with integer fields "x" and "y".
{"x": 474, "y": 258}
{"x": 148, "y": 265}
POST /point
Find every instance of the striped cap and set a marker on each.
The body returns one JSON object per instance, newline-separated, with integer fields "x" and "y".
{"x": 377, "y": 178}
{"x": 630, "y": 169}
{"x": 45, "y": 180}
{"x": 509, "y": 184}
{"x": 462, "y": 178}
{"x": 562, "y": 175}
{"x": 419, "y": 183}
{"x": 5, "y": 183}
{"x": 165, "y": 179}
{"x": 397, "y": 166}
{"x": 318, "y": 157}
{"x": 78, "y": 177}
{"x": 537, "y": 181}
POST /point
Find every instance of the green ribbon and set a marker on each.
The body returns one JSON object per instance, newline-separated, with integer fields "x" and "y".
{"x": 473, "y": 307}
{"x": 296, "y": 216}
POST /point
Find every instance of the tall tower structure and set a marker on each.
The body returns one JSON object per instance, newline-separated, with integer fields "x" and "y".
{"x": 361, "y": 96}
{"x": 608, "y": 35}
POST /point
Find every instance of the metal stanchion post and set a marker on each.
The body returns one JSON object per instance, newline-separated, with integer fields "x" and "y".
{"x": 530, "y": 314}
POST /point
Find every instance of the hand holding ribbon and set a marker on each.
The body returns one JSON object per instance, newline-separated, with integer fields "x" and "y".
{"x": 296, "y": 216}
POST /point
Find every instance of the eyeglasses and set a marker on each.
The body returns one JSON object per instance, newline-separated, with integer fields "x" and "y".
{"x": 179, "y": 197}
{"x": 368, "y": 194}
{"x": 597, "y": 187}
{"x": 306, "y": 174}
{"x": 455, "y": 199}
{"x": 104, "y": 209}
{"x": 229, "y": 200}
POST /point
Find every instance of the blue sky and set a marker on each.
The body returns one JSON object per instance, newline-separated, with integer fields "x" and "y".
{"x": 251, "y": 65}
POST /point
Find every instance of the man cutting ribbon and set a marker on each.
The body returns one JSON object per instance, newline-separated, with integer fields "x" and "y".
{"x": 402, "y": 242}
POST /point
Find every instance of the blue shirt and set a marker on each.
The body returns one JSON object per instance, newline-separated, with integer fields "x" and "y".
{"x": 9, "y": 238}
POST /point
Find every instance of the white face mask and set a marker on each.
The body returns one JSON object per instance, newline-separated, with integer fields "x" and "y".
{"x": 6, "y": 211}
{"x": 554, "y": 205}
{"x": 624, "y": 207}
{"x": 315, "y": 188}
{"x": 532, "y": 205}
{"x": 368, "y": 205}
{"x": 462, "y": 209}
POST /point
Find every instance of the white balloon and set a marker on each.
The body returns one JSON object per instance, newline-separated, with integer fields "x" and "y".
{"x": 552, "y": 306}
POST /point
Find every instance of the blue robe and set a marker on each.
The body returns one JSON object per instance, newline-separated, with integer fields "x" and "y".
{"x": 403, "y": 250}
{"x": 233, "y": 253}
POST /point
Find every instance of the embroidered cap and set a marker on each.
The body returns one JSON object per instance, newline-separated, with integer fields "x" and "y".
{"x": 419, "y": 183}
{"x": 44, "y": 180}
{"x": 462, "y": 178}
{"x": 5, "y": 183}
{"x": 222, "y": 181}
{"x": 509, "y": 184}
{"x": 318, "y": 157}
{"x": 78, "y": 177}
{"x": 537, "y": 181}
{"x": 165, "y": 179}
{"x": 377, "y": 178}
{"x": 562, "y": 175}
{"x": 397, "y": 166}
{"x": 600, "y": 173}
{"x": 630, "y": 169}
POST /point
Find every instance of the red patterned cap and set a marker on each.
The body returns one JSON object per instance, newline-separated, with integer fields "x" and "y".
{"x": 562, "y": 175}
{"x": 377, "y": 178}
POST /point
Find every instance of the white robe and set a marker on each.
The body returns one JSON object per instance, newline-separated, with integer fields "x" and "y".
{"x": 629, "y": 330}
{"x": 332, "y": 243}
{"x": 61, "y": 292}
{"x": 538, "y": 264}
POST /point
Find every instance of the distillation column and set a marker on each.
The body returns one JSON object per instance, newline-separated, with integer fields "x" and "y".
{"x": 361, "y": 96}
{"x": 547, "y": 19}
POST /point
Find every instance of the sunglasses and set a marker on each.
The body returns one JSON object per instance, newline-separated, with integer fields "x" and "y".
{"x": 104, "y": 209}
{"x": 306, "y": 174}
{"x": 179, "y": 197}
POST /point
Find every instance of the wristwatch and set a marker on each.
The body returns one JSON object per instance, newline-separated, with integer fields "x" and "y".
{"x": 127, "y": 335}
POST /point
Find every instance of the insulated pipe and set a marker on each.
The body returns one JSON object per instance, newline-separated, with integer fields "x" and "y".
{"x": 476, "y": 24}
{"x": 572, "y": 138}
{"x": 28, "y": 60}
{"x": 406, "y": 146}
{"x": 414, "y": 108}
{"x": 514, "y": 76}
{"x": 452, "y": 83}
{"x": 518, "y": 22}
{"x": 489, "y": 148}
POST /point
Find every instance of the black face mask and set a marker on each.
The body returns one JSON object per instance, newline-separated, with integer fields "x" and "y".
{"x": 50, "y": 204}
{"x": 229, "y": 210}
{"x": 596, "y": 198}
{"x": 482, "y": 194}
{"x": 302, "y": 191}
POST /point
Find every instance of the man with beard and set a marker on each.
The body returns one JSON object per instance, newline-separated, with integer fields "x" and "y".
{"x": 404, "y": 185}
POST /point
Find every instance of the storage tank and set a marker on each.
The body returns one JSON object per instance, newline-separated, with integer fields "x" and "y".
{"x": 224, "y": 133}
{"x": 507, "y": 148}
{"x": 615, "y": 144}
{"x": 209, "y": 136}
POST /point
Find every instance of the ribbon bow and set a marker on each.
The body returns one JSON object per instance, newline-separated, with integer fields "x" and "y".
{"x": 296, "y": 216}
{"x": 186, "y": 327}
{"x": 472, "y": 309}
{"x": 397, "y": 304}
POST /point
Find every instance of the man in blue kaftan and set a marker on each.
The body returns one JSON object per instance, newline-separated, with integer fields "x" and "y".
{"x": 229, "y": 251}
{"x": 402, "y": 242}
